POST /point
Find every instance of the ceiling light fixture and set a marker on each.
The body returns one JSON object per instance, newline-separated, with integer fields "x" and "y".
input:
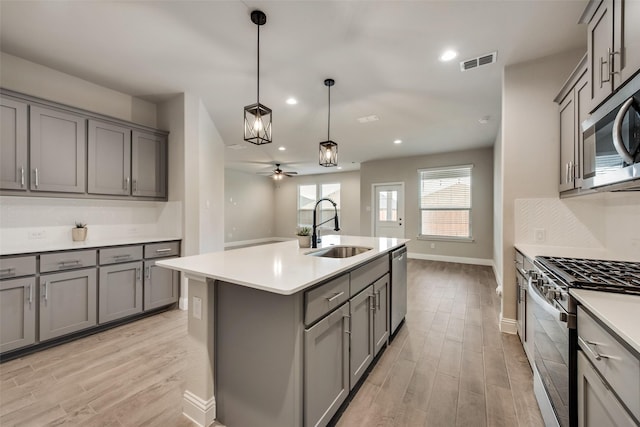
{"x": 292, "y": 101}
{"x": 397, "y": 141}
{"x": 328, "y": 148}
{"x": 484, "y": 120}
{"x": 257, "y": 117}
{"x": 282, "y": 148}
{"x": 448, "y": 55}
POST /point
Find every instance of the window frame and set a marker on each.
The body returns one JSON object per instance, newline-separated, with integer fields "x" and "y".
{"x": 421, "y": 236}
{"x": 318, "y": 186}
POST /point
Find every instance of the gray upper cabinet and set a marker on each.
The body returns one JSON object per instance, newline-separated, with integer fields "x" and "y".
{"x": 380, "y": 313}
{"x": 626, "y": 39}
{"x": 600, "y": 47}
{"x": 17, "y": 313}
{"x": 120, "y": 292}
{"x": 109, "y": 159}
{"x": 67, "y": 302}
{"x": 161, "y": 286}
{"x": 57, "y": 151}
{"x": 149, "y": 164}
{"x": 13, "y": 145}
{"x": 326, "y": 367}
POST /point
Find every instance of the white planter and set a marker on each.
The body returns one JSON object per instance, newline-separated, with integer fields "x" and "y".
{"x": 79, "y": 234}
{"x": 304, "y": 241}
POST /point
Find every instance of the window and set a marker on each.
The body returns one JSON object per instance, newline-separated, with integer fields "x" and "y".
{"x": 445, "y": 202}
{"x": 308, "y": 195}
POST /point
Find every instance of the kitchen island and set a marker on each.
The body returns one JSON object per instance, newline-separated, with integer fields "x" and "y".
{"x": 280, "y": 337}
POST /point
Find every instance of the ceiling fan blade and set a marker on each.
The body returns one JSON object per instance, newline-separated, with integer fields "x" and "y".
{"x": 291, "y": 173}
{"x": 265, "y": 173}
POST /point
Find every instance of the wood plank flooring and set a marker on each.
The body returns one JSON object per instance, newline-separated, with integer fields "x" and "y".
{"x": 448, "y": 366}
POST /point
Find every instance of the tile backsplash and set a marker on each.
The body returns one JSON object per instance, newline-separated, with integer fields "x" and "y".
{"x": 51, "y": 219}
{"x": 606, "y": 220}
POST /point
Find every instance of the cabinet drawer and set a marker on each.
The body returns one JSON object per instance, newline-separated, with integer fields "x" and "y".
{"x": 324, "y": 298}
{"x": 120, "y": 254}
{"x": 157, "y": 250}
{"x": 17, "y": 266}
{"x": 67, "y": 260}
{"x": 620, "y": 368}
{"x": 363, "y": 276}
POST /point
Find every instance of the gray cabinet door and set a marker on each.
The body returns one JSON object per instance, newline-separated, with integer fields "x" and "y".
{"x": 599, "y": 48}
{"x": 17, "y": 313}
{"x": 380, "y": 313}
{"x": 361, "y": 355}
{"x": 626, "y": 40}
{"x": 567, "y": 141}
{"x": 67, "y": 302}
{"x": 161, "y": 286}
{"x": 109, "y": 159}
{"x": 149, "y": 164}
{"x": 120, "y": 293}
{"x": 326, "y": 367}
{"x": 13, "y": 144}
{"x": 57, "y": 151}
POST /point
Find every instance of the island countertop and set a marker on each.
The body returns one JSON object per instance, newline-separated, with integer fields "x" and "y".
{"x": 281, "y": 268}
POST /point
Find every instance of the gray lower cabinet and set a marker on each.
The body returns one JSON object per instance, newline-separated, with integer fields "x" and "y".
{"x": 149, "y": 164}
{"x": 13, "y": 144}
{"x": 161, "y": 286}
{"x": 57, "y": 151}
{"x": 17, "y": 313}
{"x": 361, "y": 347}
{"x": 67, "y": 302}
{"x": 120, "y": 292}
{"x": 326, "y": 367}
{"x": 380, "y": 313}
{"x": 109, "y": 159}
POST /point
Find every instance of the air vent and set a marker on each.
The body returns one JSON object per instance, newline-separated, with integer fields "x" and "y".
{"x": 472, "y": 63}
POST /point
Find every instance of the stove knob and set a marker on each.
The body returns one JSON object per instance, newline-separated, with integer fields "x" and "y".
{"x": 553, "y": 294}
{"x": 533, "y": 274}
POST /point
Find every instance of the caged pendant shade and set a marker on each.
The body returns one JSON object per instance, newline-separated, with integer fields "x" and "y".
{"x": 328, "y": 149}
{"x": 257, "y": 117}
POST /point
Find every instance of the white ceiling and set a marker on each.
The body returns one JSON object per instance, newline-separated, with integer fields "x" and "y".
{"x": 382, "y": 54}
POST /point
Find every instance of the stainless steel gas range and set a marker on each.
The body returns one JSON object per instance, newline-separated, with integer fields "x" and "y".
{"x": 555, "y": 336}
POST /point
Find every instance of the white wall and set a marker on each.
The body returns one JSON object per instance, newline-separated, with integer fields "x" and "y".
{"x": 250, "y": 207}
{"x": 37, "y": 80}
{"x": 480, "y": 250}
{"x": 497, "y": 207}
{"x": 286, "y": 206}
{"x": 530, "y": 147}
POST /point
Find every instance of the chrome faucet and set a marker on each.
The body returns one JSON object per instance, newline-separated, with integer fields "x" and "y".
{"x": 314, "y": 236}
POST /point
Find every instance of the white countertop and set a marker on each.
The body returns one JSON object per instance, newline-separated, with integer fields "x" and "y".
{"x": 620, "y": 312}
{"x": 532, "y": 251}
{"x": 281, "y": 268}
{"x": 33, "y": 246}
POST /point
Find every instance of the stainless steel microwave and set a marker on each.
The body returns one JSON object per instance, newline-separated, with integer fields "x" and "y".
{"x": 612, "y": 142}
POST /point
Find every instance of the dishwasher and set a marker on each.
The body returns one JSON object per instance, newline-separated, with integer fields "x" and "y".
{"x": 398, "y": 287}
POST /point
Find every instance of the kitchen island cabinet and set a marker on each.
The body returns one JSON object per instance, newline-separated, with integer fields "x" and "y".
{"x": 274, "y": 340}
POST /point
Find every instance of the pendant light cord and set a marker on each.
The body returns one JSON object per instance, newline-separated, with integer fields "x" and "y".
{"x": 329, "y": 115}
{"x": 258, "y": 90}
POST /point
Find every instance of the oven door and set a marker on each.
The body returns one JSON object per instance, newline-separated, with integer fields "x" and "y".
{"x": 551, "y": 352}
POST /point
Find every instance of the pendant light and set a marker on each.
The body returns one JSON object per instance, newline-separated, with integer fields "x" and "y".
{"x": 257, "y": 117}
{"x": 328, "y": 148}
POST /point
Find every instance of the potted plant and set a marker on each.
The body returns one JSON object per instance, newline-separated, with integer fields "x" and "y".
{"x": 304, "y": 237}
{"x": 79, "y": 233}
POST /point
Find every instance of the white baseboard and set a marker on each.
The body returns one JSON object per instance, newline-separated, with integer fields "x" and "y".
{"x": 201, "y": 412}
{"x": 445, "y": 258}
{"x": 508, "y": 326}
{"x": 183, "y": 304}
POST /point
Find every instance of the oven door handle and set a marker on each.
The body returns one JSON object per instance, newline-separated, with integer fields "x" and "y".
{"x": 618, "y": 143}
{"x": 546, "y": 305}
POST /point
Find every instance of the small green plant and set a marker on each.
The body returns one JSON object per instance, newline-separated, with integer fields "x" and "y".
{"x": 80, "y": 224}
{"x": 304, "y": 231}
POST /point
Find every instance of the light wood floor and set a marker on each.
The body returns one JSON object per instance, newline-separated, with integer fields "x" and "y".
{"x": 448, "y": 366}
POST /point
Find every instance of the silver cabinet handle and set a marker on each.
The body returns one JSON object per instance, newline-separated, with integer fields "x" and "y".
{"x": 7, "y": 272}
{"x": 586, "y": 345}
{"x": 122, "y": 256}
{"x": 45, "y": 291}
{"x": 378, "y": 300}
{"x": 30, "y": 293}
{"x": 147, "y": 272}
{"x": 346, "y": 317}
{"x": 372, "y": 301}
{"x": 37, "y": 177}
{"x": 335, "y": 296}
{"x": 135, "y": 185}
{"x": 21, "y": 176}
{"x": 161, "y": 251}
{"x": 570, "y": 171}
{"x": 138, "y": 271}
{"x": 566, "y": 173}
{"x": 70, "y": 264}
{"x": 612, "y": 55}
{"x": 125, "y": 183}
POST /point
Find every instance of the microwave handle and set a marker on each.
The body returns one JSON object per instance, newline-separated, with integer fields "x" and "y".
{"x": 617, "y": 132}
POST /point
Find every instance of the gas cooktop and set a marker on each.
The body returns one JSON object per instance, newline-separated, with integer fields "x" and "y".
{"x": 601, "y": 275}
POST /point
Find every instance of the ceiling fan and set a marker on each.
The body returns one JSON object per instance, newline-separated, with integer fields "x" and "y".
{"x": 277, "y": 174}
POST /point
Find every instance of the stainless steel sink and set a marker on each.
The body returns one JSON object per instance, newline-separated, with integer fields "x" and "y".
{"x": 339, "y": 251}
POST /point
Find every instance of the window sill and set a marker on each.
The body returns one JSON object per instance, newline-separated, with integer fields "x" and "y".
{"x": 446, "y": 239}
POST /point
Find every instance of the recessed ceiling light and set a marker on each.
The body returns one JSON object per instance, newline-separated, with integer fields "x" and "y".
{"x": 397, "y": 141}
{"x": 484, "y": 120}
{"x": 292, "y": 101}
{"x": 448, "y": 55}
{"x": 282, "y": 148}
{"x": 339, "y": 167}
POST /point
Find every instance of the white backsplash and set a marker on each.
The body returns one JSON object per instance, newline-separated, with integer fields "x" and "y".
{"x": 608, "y": 221}
{"x": 50, "y": 220}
